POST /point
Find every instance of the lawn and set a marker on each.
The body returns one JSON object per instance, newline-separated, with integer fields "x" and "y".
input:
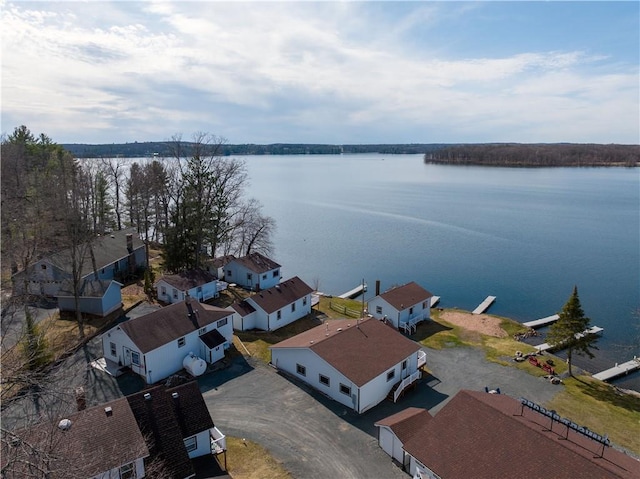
{"x": 248, "y": 460}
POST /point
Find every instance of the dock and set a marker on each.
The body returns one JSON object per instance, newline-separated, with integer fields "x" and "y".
{"x": 357, "y": 291}
{"x": 618, "y": 370}
{"x": 484, "y": 305}
{"x": 538, "y": 323}
{"x": 591, "y": 330}
{"x": 434, "y": 301}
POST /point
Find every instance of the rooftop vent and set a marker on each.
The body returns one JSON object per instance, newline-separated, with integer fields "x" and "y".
{"x": 174, "y": 395}
{"x": 147, "y": 396}
{"x": 108, "y": 411}
{"x": 65, "y": 424}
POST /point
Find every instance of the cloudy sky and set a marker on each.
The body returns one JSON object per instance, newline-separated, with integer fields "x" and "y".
{"x": 322, "y": 72}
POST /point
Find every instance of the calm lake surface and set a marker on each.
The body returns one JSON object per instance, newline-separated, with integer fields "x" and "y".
{"x": 524, "y": 235}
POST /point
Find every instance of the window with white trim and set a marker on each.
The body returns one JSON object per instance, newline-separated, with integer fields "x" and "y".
{"x": 222, "y": 322}
{"x": 378, "y": 309}
{"x": 113, "y": 349}
{"x": 135, "y": 358}
{"x": 301, "y": 370}
{"x": 181, "y": 342}
{"x": 323, "y": 379}
{"x": 128, "y": 471}
{"x": 202, "y": 331}
{"x": 344, "y": 389}
{"x": 191, "y": 443}
{"x": 391, "y": 374}
{"x": 404, "y": 364}
{"x": 304, "y": 301}
{"x": 279, "y": 315}
{"x": 276, "y": 273}
{"x": 293, "y": 307}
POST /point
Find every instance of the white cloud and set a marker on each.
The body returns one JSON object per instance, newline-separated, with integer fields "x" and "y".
{"x": 320, "y": 71}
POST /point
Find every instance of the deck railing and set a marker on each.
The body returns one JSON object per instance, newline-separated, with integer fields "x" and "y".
{"x": 218, "y": 441}
{"x": 422, "y": 359}
{"x": 406, "y": 382}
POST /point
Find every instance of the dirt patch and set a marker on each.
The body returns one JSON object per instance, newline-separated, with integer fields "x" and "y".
{"x": 481, "y": 323}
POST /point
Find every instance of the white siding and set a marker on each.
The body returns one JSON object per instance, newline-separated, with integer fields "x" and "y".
{"x": 237, "y": 273}
{"x": 270, "y": 322}
{"x": 287, "y": 359}
{"x": 379, "y": 308}
{"x": 390, "y": 443}
{"x": 203, "y": 443}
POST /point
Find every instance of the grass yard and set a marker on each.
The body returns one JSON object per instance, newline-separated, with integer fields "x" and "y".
{"x": 602, "y": 408}
{"x": 248, "y": 460}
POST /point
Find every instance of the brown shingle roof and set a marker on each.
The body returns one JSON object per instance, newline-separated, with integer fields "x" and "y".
{"x": 155, "y": 329}
{"x": 484, "y": 435}
{"x": 406, "y": 423}
{"x": 407, "y": 295}
{"x": 187, "y": 280}
{"x": 190, "y": 409}
{"x": 243, "y": 308}
{"x": 282, "y": 294}
{"x": 360, "y": 351}
{"x": 159, "y": 424}
{"x": 96, "y": 442}
{"x": 257, "y": 263}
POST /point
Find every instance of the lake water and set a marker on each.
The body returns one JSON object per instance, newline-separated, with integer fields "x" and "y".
{"x": 524, "y": 235}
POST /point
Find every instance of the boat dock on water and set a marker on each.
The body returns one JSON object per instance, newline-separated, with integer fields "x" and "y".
{"x": 538, "y": 323}
{"x": 484, "y": 305}
{"x": 618, "y": 370}
{"x": 547, "y": 346}
{"x": 357, "y": 291}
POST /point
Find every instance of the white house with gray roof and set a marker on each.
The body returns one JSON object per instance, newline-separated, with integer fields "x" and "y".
{"x": 253, "y": 271}
{"x": 403, "y": 306}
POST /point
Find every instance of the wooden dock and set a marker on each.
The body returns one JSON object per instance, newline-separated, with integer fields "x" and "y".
{"x": 618, "y": 370}
{"x": 538, "y": 323}
{"x": 357, "y": 291}
{"x": 591, "y": 330}
{"x": 484, "y": 305}
{"x": 434, "y": 301}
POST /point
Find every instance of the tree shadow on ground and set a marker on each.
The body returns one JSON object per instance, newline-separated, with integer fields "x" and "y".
{"x": 607, "y": 393}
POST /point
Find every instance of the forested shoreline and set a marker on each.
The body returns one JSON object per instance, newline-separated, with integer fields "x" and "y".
{"x": 536, "y": 155}
{"x": 484, "y": 154}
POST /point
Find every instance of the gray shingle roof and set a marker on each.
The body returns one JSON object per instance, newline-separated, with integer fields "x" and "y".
{"x": 257, "y": 263}
{"x": 406, "y": 295}
{"x": 167, "y": 324}
{"x": 280, "y": 295}
{"x": 187, "y": 280}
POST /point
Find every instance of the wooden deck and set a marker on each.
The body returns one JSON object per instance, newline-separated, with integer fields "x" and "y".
{"x": 618, "y": 370}
{"x": 484, "y": 305}
{"x": 538, "y": 323}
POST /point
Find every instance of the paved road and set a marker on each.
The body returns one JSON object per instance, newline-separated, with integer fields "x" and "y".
{"x": 316, "y": 438}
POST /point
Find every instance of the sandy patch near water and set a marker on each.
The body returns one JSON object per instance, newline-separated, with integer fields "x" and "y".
{"x": 482, "y": 323}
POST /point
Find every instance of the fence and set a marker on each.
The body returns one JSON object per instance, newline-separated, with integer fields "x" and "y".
{"x": 344, "y": 310}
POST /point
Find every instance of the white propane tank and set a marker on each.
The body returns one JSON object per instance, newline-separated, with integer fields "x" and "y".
{"x": 194, "y": 365}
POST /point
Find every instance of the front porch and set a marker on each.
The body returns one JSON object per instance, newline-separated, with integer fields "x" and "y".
{"x": 410, "y": 325}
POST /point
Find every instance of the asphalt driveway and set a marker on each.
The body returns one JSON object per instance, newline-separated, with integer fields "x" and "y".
{"x": 316, "y": 438}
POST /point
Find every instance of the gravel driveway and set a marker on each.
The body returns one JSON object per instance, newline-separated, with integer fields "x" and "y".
{"x": 315, "y": 438}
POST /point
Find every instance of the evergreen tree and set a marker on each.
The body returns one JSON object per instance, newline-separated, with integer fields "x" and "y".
{"x": 572, "y": 322}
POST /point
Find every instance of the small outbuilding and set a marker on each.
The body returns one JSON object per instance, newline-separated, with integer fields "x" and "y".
{"x": 196, "y": 283}
{"x": 253, "y": 271}
{"x": 403, "y": 306}
{"x": 98, "y": 297}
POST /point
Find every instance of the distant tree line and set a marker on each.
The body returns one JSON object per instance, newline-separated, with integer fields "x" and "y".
{"x": 533, "y": 155}
{"x": 164, "y": 149}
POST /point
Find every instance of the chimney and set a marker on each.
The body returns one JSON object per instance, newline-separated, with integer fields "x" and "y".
{"x": 377, "y": 287}
{"x": 129, "y": 242}
{"x": 81, "y": 398}
{"x": 147, "y": 396}
{"x": 108, "y": 411}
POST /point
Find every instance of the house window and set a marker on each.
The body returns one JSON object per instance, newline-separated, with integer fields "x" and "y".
{"x": 279, "y": 315}
{"x": 293, "y": 307}
{"x": 264, "y": 276}
{"x": 175, "y": 293}
{"x": 404, "y": 364}
{"x": 410, "y": 311}
{"x": 304, "y": 301}
{"x": 276, "y": 273}
{"x": 228, "y": 272}
{"x": 378, "y": 309}
{"x": 345, "y": 389}
{"x": 128, "y": 471}
{"x": 222, "y": 322}
{"x": 191, "y": 443}
{"x": 163, "y": 289}
{"x": 43, "y": 266}
{"x": 202, "y": 331}
{"x": 301, "y": 370}
{"x": 135, "y": 358}
{"x": 391, "y": 374}
{"x": 113, "y": 349}
{"x": 249, "y": 276}
{"x": 181, "y": 342}
{"x": 324, "y": 379}
{"x": 424, "y": 305}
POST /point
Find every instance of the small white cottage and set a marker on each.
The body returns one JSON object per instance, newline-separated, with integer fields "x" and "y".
{"x": 155, "y": 345}
{"x": 404, "y": 306}
{"x": 355, "y": 362}
{"x": 254, "y": 272}
{"x": 196, "y": 283}
{"x": 273, "y": 308}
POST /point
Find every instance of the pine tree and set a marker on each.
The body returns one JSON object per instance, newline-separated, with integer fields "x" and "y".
{"x": 572, "y": 322}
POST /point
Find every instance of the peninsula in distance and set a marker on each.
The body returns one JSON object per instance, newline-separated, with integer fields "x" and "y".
{"x": 484, "y": 154}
